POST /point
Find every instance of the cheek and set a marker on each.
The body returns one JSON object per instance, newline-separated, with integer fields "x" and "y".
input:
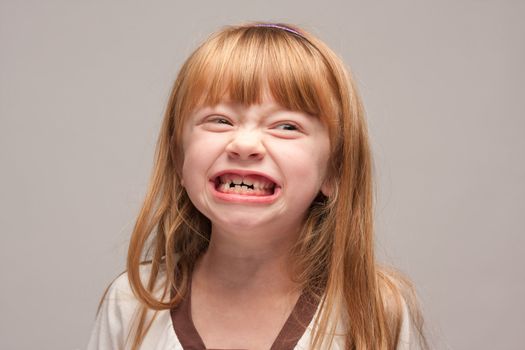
{"x": 304, "y": 172}
{"x": 200, "y": 152}
{"x": 194, "y": 178}
{"x": 193, "y": 166}
{"x": 306, "y": 161}
{"x": 198, "y": 149}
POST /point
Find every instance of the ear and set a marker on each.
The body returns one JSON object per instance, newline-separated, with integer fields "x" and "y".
{"x": 180, "y": 177}
{"x": 327, "y": 188}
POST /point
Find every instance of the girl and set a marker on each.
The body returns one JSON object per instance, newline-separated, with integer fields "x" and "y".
{"x": 256, "y": 231}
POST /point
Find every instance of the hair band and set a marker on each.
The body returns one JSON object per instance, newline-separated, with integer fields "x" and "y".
{"x": 280, "y": 26}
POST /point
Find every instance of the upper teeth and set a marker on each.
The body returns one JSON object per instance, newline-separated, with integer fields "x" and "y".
{"x": 237, "y": 180}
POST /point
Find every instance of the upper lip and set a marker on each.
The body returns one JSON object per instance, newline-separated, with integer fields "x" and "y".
{"x": 244, "y": 172}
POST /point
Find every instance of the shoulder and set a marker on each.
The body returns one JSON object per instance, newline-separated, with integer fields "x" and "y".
{"x": 119, "y": 296}
{"x": 402, "y": 309}
{"x": 411, "y": 334}
{"x": 405, "y": 337}
{"x": 117, "y": 315}
{"x": 120, "y": 291}
{"x": 114, "y": 316}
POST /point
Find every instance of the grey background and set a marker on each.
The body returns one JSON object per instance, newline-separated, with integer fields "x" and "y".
{"x": 83, "y": 88}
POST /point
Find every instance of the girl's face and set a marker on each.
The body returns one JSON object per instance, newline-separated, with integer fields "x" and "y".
{"x": 255, "y": 168}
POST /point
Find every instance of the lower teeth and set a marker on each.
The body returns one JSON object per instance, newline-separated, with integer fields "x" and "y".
{"x": 225, "y": 188}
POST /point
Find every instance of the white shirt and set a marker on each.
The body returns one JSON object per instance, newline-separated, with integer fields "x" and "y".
{"x": 114, "y": 321}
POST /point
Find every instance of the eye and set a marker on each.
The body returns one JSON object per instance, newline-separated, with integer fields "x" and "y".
{"x": 217, "y": 123}
{"x": 287, "y": 127}
{"x": 219, "y": 120}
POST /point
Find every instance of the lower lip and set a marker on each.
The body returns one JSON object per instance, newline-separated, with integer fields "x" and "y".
{"x": 244, "y": 198}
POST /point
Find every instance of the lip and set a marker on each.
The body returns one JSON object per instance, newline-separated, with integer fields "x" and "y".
{"x": 244, "y": 198}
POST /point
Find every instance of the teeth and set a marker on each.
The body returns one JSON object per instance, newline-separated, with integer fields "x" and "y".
{"x": 243, "y": 190}
{"x": 231, "y": 178}
{"x": 236, "y": 179}
{"x": 251, "y": 184}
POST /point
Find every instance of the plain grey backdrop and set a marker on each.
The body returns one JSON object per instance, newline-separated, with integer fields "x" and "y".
{"x": 83, "y": 88}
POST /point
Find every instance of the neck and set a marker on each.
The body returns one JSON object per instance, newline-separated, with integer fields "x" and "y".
{"x": 246, "y": 262}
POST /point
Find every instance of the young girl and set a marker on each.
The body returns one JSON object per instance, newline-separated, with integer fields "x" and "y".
{"x": 256, "y": 231}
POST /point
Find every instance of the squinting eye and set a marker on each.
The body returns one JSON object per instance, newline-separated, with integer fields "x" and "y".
{"x": 220, "y": 121}
{"x": 287, "y": 127}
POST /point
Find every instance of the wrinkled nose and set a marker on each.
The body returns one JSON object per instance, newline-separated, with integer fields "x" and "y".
{"x": 246, "y": 145}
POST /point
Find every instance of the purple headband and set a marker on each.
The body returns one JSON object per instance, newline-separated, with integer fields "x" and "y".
{"x": 280, "y": 26}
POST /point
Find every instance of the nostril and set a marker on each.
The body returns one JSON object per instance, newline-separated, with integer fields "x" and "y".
{"x": 245, "y": 148}
{"x": 245, "y": 155}
{"x": 234, "y": 154}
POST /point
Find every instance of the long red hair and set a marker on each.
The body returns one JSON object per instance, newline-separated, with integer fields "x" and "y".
{"x": 334, "y": 255}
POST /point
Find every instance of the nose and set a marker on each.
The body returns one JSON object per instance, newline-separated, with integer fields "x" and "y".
{"x": 246, "y": 145}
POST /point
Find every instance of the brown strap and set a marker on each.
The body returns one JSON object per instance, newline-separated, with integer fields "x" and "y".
{"x": 293, "y": 329}
{"x": 296, "y": 324}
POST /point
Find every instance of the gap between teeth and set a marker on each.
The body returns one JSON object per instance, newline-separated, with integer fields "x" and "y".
{"x": 253, "y": 186}
{"x": 234, "y": 181}
{"x": 244, "y": 185}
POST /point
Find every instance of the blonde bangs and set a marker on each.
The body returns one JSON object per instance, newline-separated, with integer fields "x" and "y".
{"x": 244, "y": 62}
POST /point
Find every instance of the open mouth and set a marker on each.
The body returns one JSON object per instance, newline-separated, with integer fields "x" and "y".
{"x": 250, "y": 185}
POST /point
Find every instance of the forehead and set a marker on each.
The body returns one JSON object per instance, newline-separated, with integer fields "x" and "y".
{"x": 249, "y": 65}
